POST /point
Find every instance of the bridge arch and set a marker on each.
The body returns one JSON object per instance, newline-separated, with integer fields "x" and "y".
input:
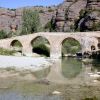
{"x": 16, "y": 45}
{"x": 70, "y": 45}
{"x": 40, "y": 45}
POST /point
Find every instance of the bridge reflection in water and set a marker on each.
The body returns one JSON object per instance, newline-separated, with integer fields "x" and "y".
{"x": 72, "y": 71}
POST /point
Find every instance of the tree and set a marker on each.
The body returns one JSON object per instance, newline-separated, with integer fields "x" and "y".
{"x": 51, "y": 25}
{"x": 31, "y": 21}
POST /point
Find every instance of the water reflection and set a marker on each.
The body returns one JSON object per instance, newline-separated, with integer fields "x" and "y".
{"x": 67, "y": 70}
{"x": 71, "y": 67}
{"x": 96, "y": 65}
{"x": 72, "y": 70}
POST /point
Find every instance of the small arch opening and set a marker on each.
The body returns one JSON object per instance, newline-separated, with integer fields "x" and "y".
{"x": 16, "y": 45}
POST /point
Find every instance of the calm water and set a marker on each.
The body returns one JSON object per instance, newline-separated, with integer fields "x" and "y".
{"x": 65, "y": 71}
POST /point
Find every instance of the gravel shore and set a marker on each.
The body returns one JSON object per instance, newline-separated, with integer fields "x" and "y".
{"x": 23, "y": 62}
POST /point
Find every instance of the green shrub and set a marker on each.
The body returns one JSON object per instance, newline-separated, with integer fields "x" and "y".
{"x": 41, "y": 11}
{"x": 94, "y": 98}
{"x": 51, "y": 25}
{"x": 3, "y": 34}
{"x": 16, "y": 43}
{"x": 38, "y": 41}
{"x": 70, "y": 46}
{"x": 6, "y": 52}
{"x": 50, "y": 10}
{"x": 42, "y": 50}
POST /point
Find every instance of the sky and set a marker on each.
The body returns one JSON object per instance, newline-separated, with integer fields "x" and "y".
{"x": 23, "y": 3}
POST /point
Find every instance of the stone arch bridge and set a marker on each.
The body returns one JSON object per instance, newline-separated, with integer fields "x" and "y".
{"x": 86, "y": 40}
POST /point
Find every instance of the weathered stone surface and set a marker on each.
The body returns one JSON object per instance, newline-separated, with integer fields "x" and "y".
{"x": 86, "y": 40}
{"x": 69, "y": 15}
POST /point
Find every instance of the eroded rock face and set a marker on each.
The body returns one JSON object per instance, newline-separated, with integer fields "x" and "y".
{"x": 8, "y": 18}
{"x": 92, "y": 17}
{"x": 71, "y": 15}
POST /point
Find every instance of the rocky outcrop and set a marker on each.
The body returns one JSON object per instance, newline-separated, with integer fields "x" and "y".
{"x": 91, "y": 20}
{"x": 71, "y": 15}
{"x": 10, "y": 18}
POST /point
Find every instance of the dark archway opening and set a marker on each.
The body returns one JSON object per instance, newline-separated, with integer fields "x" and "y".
{"x": 16, "y": 45}
{"x": 70, "y": 47}
{"x": 98, "y": 45}
{"x": 93, "y": 47}
{"x": 41, "y": 46}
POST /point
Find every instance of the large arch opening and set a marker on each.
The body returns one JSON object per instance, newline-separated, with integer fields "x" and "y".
{"x": 16, "y": 45}
{"x": 41, "y": 46}
{"x": 70, "y": 47}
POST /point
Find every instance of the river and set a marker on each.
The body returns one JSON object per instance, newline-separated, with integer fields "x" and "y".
{"x": 69, "y": 76}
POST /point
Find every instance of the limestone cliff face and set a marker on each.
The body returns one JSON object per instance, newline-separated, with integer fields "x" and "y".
{"x": 71, "y": 15}
{"x": 91, "y": 19}
{"x": 9, "y": 18}
{"x": 80, "y": 15}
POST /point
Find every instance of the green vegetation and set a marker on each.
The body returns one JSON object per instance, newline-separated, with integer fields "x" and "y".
{"x": 31, "y": 22}
{"x": 51, "y": 25}
{"x": 16, "y": 43}
{"x": 41, "y": 46}
{"x": 42, "y": 50}
{"x": 71, "y": 67}
{"x": 9, "y": 69}
{"x": 6, "y": 52}
{"x": 70, "y": 46}
{"x": 41, "y": 11}
{"x": 12, "y": 9}
{"x": 50, "y": 10}
{"x": 3, "y": 34}
{"x": 82, "y": 14}
{"x": 39, "y": 40}
{"x": 94, "y": 98}
{"x": 96, "y": 26}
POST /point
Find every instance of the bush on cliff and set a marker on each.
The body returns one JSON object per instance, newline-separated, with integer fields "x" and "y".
{"x": 3, "y": 34}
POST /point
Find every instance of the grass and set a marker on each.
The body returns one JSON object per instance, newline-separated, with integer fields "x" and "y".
{"x": 6, "y": 51}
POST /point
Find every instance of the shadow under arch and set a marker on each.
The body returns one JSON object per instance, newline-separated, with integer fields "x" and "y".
{"x": 16, "y": 45}
{"x": 41, "y": 45}
{"x": 98, "y": 45}
{"x": 70, "y": 45}
{"x": 93, "y": 47}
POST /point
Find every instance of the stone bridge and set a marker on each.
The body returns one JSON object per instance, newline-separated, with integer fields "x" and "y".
{"x": 87, "y": 40}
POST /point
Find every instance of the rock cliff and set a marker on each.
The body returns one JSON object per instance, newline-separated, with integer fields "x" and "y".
{"x": 71, "y": 15}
